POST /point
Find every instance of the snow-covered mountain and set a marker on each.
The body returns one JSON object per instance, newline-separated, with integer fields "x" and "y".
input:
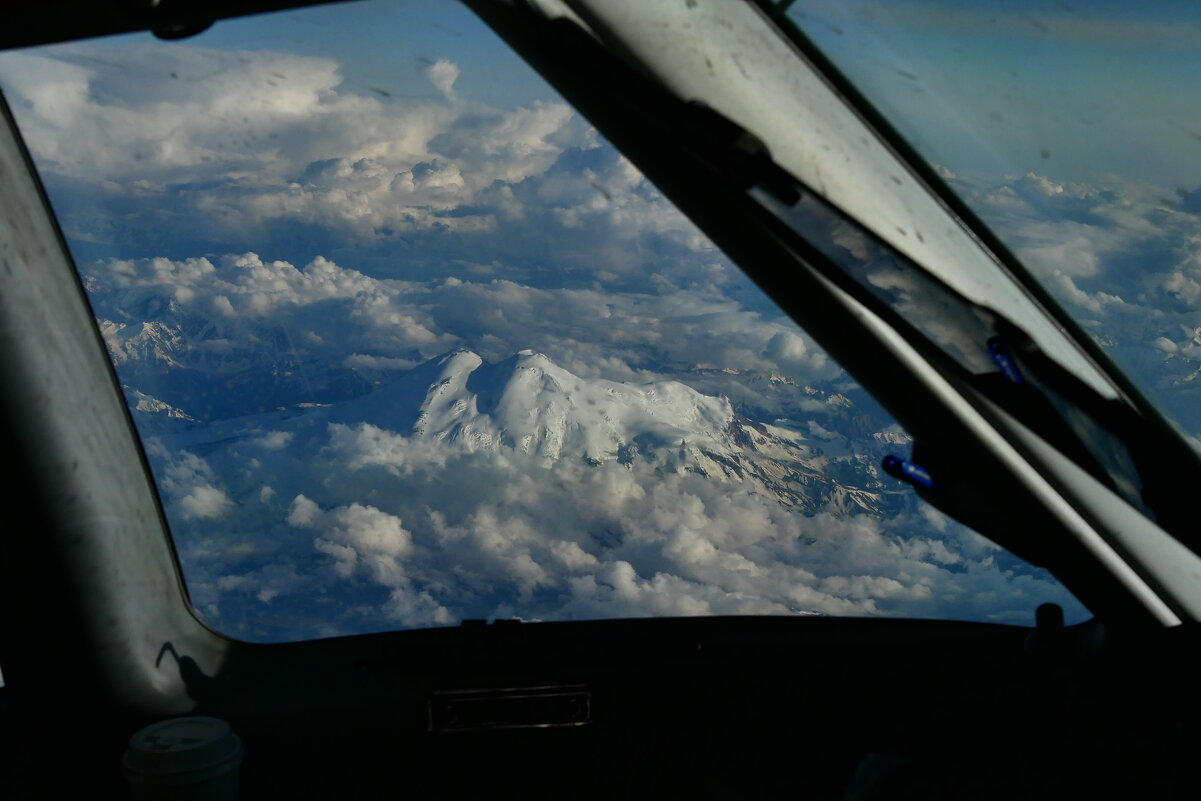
{"x": 212, "y": 374}
{"x": 148, "y": 404}
{"x": 155, "y": 342}
{"x": 529, "y": 404}
{"x": 532, "y": 406}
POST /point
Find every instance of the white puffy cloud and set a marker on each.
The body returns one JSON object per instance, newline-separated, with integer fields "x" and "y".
{"x": 260, "y": 146}
{"x": 191, "y": 106}
{"x": 238, "y": 285}
{"x": 442, "y": 74}
{"x": 204, "y": 501}
{"x": 360, "y": 539}
{"x": 303, "y": 511}
{"x": 274, "y": 440}
{"x": 790, "y": 349}
{"x": 190, "y": 484}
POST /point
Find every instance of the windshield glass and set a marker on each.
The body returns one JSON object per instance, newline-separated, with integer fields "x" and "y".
{"x": 1073, "y": 131}
{"x": 407, "y": 343}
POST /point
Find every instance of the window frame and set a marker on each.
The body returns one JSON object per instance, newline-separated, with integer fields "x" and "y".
{"x": 110, "y": 573}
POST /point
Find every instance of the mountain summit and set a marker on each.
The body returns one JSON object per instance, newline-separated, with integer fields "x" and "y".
{"x": 532, "y": 405}
{"x": 529, "y": 404}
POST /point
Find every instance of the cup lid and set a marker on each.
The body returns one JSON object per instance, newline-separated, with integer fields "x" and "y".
{"x": 180, "y": 745}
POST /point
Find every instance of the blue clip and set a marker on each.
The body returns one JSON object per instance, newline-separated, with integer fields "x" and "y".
{"x": 908, "y": 471}
{"x": 1005, "y": 362}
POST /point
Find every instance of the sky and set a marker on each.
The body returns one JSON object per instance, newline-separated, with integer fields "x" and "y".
{"x": 407, "y": 341}
{"x": 1076, "y": 90}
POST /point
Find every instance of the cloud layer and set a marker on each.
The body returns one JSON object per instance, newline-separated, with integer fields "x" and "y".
{"x": 438, "y": 532}
{"x": 269, "y": 151}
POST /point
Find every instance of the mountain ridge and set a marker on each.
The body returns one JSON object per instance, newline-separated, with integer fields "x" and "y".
{"x": 529, "y": 404}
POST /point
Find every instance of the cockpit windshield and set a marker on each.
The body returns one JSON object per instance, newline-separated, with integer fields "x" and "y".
{"x": 408, "y": 342}
{"x": 1072, "y": 131}
{"x": 1107, "y": 438}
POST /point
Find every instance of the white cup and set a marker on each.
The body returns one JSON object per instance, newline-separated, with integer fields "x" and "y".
{"x": 184, "y": 759}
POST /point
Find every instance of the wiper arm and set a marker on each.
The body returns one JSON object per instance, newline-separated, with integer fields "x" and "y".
{"x": 1150, "y": 466}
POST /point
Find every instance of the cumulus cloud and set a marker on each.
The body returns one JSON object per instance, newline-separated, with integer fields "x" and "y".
{"x": 789, "y": 349}
{"x": 204, "y": 501}
{"x": 238, "y": 285}
{"x": 269, "y": 149}
{"x": 303, "y": 511}
{"x": 361, "y": 539}
{"x": 190, "y": 484}
{"x": 442, "y": 74}
{"x": 275, "y": 440}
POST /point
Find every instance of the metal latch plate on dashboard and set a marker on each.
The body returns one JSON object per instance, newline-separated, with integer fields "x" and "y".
{"x": 510, "y": 708}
